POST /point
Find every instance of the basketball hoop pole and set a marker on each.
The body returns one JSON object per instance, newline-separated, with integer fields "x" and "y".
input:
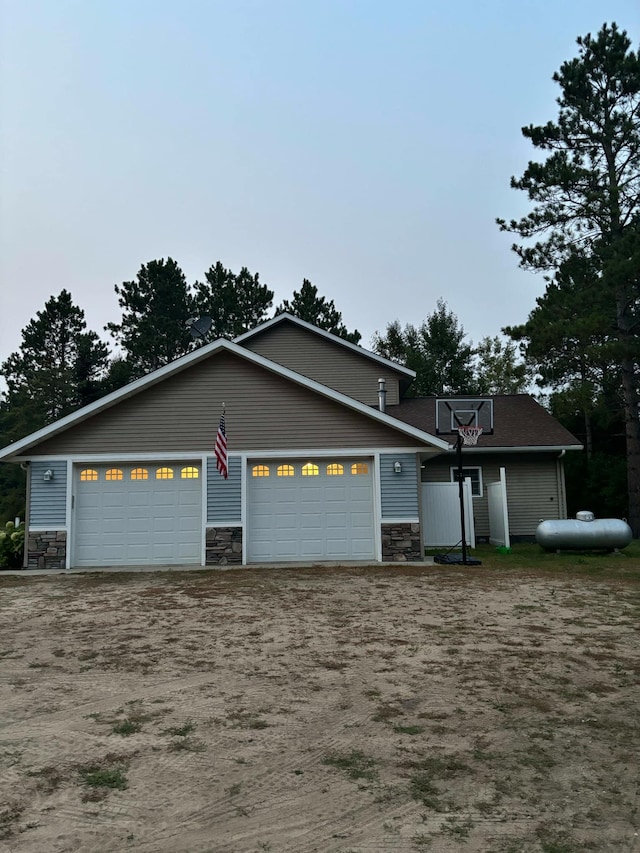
{"x": 461, "y": 498}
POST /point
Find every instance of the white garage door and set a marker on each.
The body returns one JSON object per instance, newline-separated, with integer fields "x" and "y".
{"x": 132, "y": 515}
{"x": 310, "y": 510}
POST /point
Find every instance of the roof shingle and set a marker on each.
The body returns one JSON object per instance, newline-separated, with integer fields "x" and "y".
{"x": 518, "y": 421}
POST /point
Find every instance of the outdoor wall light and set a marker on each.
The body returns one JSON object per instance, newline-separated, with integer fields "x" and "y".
{"x": 397, "y": 467}
{"x": 48, "y": 474}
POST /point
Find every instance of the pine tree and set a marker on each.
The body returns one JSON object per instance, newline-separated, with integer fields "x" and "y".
{"x": 320, "y": 312}
{"x": 156, "y": 307}
{"x": 235, "y": 303}
{"x": 586, "y": 202}
{"x": 58, "y": 367}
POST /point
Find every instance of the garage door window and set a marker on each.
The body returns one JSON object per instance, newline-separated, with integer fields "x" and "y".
{"x": 359, "y": 468}
{"x": 88, "y": 475}
{"x": 310, "y": 470}
{"x": 260, "y": 471}
{"x": 164, "y": 474}
{"x": 189, "y": 473}
{"x": 139, "y": 474}
{"x": 285, "y": 471}
{"x": 335, "y": 469}
{"x": 114, "y": 474}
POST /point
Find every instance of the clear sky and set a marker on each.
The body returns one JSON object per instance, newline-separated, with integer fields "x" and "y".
{"x": 364, "y": 145}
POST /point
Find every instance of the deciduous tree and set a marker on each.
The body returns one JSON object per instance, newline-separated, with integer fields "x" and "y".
{"x": 497, "y": 368}
{"x": 437, "y": 350}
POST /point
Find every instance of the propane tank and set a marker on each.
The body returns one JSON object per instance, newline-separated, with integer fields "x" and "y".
{"x": 584, "y": 531}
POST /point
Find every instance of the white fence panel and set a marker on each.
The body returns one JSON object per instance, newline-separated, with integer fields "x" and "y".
{"x": 498, "y": 511}
{"x": 441, "y": 515}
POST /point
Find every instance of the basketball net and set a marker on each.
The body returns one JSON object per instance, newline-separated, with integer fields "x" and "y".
{"x": 470, "y": 435}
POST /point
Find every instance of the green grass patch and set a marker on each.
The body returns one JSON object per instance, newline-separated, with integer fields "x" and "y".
{"x": 408, "y": 730}
{"x": 97, "y": 776}
{"x": 525, "y": 555}
{"x": 355, "y": 764}
{"x": 180, "y": 731}
{"x": 127, "y": 727}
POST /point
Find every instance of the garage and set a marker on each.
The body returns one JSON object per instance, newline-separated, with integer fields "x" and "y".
{"x": 137, "y": 514}
{"x": 310, "y": 510}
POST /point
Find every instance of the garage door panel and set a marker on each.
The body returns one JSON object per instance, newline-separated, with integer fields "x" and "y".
{"x": 110, "y": 499}
{"x": 313, "y": 548}
{"x": 336, "y": 521}
{"x": 316, "y": 517}
{"x": 139, "y": 498}
{"x": 137, "y": 522}
{"x": 285, "y": 548}
{"x": 361, "y": 549}
{"x": 360, "y": 520}
{"x": 336, "y": 493}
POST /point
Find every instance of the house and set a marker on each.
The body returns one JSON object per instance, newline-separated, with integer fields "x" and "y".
{"x": 325, "y": 460}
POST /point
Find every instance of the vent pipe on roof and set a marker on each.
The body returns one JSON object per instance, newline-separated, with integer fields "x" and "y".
{"x": 382, "y": 395}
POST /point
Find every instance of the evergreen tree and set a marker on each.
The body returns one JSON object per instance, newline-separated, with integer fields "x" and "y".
{"x": 320, "y": 312}
{"x": 156, "y": 307}
{"x": 568, "y": 340}
{"x": 235, "y": 303}
{"x": 58, "y": 368}
{"x": 586, "y": 202}
{"x": 436, "y": 350}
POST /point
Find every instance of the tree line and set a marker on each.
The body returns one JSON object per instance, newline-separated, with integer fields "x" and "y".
{"x": 580, "y": 344}
{"x": 61, "y": 365}
{"x": 583, "y": 233}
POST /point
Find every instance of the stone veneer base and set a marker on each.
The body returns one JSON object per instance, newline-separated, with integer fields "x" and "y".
{"x": 401, "y": 542}
{"x": 47, "y": 549}
{"x": 224, "y": 546}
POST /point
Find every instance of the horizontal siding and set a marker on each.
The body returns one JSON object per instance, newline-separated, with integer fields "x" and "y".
{"x": 532, "y": 494}
{"x": 48, "y": 498}
{"x": 532, "y": 487}
{"x": 399, "y": 492}
{"x": 224, "y": 497}
{"x": 324, "y": 361}
{"x": 264, "y": 411}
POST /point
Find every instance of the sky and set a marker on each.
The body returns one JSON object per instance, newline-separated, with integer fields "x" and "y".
{"x": 364, "y": 145}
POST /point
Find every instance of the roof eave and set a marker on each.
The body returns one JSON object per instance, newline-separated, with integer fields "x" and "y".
{"x": 538, "y": 448}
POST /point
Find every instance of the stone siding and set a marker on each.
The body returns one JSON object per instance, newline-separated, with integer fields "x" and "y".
{"x": 224, "y": 546}
{"x": 401, "y": 542}
{"x": 47, "y": 549}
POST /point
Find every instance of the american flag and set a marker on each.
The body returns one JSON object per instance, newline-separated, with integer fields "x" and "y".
{"x": 220, "y": 449}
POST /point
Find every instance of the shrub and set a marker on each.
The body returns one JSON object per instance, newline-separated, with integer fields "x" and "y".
{"x": 11, "y": 546}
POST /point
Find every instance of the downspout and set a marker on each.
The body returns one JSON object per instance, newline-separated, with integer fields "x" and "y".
{"x": 25, "y": 556}
{"x": 382, "y": 395}
{"x": 562, "y": 494}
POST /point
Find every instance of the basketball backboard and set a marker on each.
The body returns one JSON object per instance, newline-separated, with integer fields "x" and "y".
{"x": 456, "y": 412}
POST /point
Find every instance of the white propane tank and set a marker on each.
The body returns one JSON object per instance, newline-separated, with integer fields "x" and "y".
{"x": 584, "y": 531}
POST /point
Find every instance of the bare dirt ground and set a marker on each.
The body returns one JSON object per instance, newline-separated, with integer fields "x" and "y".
{"x": 327, "y": 710}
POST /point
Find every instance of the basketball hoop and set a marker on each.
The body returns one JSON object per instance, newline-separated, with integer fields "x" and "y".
{"x": 469, "y": 435}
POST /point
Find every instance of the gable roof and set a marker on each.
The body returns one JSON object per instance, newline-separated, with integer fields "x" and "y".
{"x": 18, "y": 448}
{"x": 519, "y": 422}
{"x": 407, "y": 374}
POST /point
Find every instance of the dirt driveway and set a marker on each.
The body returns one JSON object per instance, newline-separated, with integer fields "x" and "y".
{"x": 319, "y": 710}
